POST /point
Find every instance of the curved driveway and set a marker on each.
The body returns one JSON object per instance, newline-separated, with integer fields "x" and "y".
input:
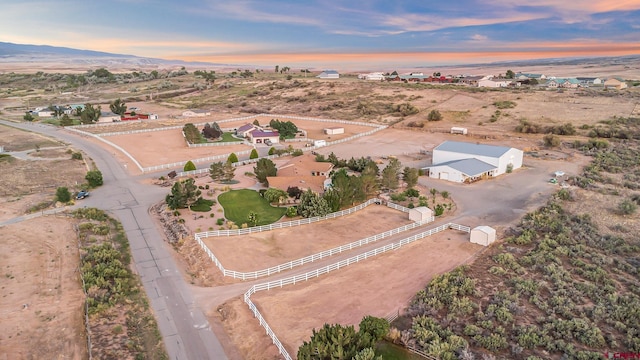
{"x": 184, "y": 327}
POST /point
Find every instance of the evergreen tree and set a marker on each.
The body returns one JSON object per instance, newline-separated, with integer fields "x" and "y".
{"x": 254, "y": 154}
{"x": 390, "y": 174}
{"x": 311, "y": 205}
{"x": 216, "y": 171}
{"x": 263, "y": 169}
{"x": 233, "y": 158}
{"x": 410, "y": 176}
{"x": 189, "y": 166}
{"x": 228, "y": 172}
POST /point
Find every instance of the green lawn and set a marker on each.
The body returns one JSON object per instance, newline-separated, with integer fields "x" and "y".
{"x": 238, "y": 203}
{"x": 228, "y": 137}
{"x": 394, "y": 352}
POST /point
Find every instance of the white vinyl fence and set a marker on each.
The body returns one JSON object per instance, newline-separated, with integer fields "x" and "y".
{"x": 325, "y": 270}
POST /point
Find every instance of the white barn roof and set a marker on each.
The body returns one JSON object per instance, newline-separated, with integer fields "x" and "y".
{"x": 473, "y": 149}
{"x": 469, "y": 167}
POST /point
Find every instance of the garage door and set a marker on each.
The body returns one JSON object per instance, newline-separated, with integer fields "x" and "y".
{"x": 444, "y": 175}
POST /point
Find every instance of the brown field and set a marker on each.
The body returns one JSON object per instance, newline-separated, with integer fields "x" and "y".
{"x": 42, "y": 302}
{"x": 347, "y": 295}
{"x": 275, "y": 247}
{"x": 17, "y": 140}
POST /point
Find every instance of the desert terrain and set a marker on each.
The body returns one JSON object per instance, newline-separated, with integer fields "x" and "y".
{"x": 346, "y": 295}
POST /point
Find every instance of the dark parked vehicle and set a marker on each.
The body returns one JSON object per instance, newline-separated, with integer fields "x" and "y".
{"x": 82, "y": 194}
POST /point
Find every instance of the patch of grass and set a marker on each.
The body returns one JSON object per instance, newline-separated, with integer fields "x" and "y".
{"x": 202, "y": 205}
{"x": 228, "y": 137}
{"x": 390, "y": 351}
{"x": 506, "y": 104}
{"x": 238, "y": 203}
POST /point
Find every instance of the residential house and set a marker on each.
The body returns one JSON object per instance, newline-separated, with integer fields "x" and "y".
{"x": 529, "y": 76}
{"x": 588, "y": 81}
{"x": 468, "y": 162}
{"x": 470, "y": 80}
{"x": 196, "y": 113}
{"x": 303, "y": 172}
{"x": 108, "y": 116}
{"x": 615, "y": 83}
{"x": 565, "y": 83}
{"x": 244, "y": 130}
{"x": 329, "y": 74}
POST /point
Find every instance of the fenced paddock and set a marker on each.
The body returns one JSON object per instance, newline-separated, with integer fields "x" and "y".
{"x": 289, "y": 244}
{"x": 343, "y": 290}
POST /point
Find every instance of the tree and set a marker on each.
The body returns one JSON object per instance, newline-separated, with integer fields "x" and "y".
{"x": 263, "y": 169}
{"x": 189, "y": 166}
{"x": 274, "y": 195}
{"x": 277, "y": 68}
{"x": 90, "y": 114}
{"x": 28, "y": 117}
{"x": 510, "y": 74}
{"x": 66, "y": 120}
{"x": 63, "y": 195}
{"x": 390, "y": 174}
{"x": 228, "y": 172}
{"x": 233, "y": 158}
{"x": 373, "y": 328}
{"x": 94, "y": 178}
{"x": 212, "y": 131}
{"x": 118, "y": 106}
{"x": 287, "y": 129}
{"x": 216, "y": 171}
{"x": 252, "y": 218}
{"x": 254, "y": 154}
{"x": 343, "y": 342}
{"x": 294, "y": 192}
{"x": 311, "y": 205}
{"x": 434, "y": 115}
{"x": 410, "y": 176}
{"x": 256, "y": 122}
{"x": 272, "y": 151}
{"x": 183, "y": 194}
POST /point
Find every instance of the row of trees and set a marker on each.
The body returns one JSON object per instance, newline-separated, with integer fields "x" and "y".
{"x": 287, "y": 129}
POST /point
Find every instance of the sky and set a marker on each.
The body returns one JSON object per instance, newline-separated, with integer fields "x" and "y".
{"x": 330, "y": 34}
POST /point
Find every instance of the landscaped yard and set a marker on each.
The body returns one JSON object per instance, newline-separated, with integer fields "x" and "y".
{"x": 228, "y": 137}
{"x": 238, "y": 203}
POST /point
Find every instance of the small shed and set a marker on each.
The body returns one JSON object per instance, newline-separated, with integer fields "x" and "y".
{"x": 420, "y": 214}
{"x": 483, "y": 235}
{"x": 334, "y": 130}
{"x": 459, "y": 130}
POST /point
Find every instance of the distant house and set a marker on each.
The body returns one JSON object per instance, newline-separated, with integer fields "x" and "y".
{"x": 468, "y": 162}
{"x": 470, "y": 80}
{"x": 615, "y": 83}
{"x": 244, "y": 130}
{"x": 44, "y": 113}
{"x": 377, "y": 76}
{"x": 566, "y": 83}
{"x": 129, "y": 116}
{"x": 329, "y": 74}
{"x": 586, "y": 81}
{"x": 108, "y": 116}
{"x": 303, "y": 172}
{"x": 491, "y": 82}
{"x": 196, "y": 113}
{"x": 529, "y": 76}
{"x": 264, "y": 137}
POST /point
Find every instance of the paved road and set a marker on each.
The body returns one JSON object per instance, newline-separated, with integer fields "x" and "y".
{"x": 184, "y": 327}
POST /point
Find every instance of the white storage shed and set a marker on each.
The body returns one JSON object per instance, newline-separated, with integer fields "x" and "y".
{"x": 421, "y": 214}
{"x": 483, "y": 235}
{"x": 334, "y": 130}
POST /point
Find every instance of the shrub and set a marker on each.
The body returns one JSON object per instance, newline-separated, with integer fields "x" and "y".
{"x": 76, "y": 156}
{"x": 63, "y": 195}
{"x": 220, "y": 221}
{"x": 254, "y": 154}
{"x": 551, "y": 140}
{"x": 292, "y": 211}
{"x": 439, "y": 210}
{"x": 627, "y": 207}
{"x": 94, "y": 178}
{"x": 504, "y": 104}
{"x": 189, "y": 166}
{"x": 434, "y": 115}
{"x": 233, "y": 158}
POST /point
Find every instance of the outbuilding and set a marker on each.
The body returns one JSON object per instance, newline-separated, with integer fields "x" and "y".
{"x": 264, "y": 137}
{"x": 329, "y": 74}
{"x": 334, "y": 130}
{"x": 483, "y": 235}
{"x": 467, "y": 162}
{"x": 421, "y": 214}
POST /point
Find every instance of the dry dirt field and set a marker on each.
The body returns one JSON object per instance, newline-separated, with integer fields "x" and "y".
{"x": 164, "y": 147}
{"x": 42, "y": 300}
{"x": 275, "y": 247}
{"x": 379, "y": 286}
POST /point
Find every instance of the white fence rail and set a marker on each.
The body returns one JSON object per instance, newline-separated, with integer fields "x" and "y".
{"x": 109, "y": 143}
{"x": 398, "y": 207}
{"x": 324, "y": 270}
{"x": 199, "y": 160}
{"x": 226, "y": 143}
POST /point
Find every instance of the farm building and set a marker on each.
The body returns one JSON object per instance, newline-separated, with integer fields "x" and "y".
{"x": 376, "y": 76}
{"x": 196, "y": 113}
{"x": 468, "y": 162}
{"x": 264, "y": 137}
{"x": 491, "y": 82}
{"x": 483, "y": 235}
{"x": 459, "y": 130}
{"x": 615, "y": 83}
{"x": 303, "y": 172}
{"x": 421, "y": 214}
{"x": 334, "y": 130}
{"x": 329, "y": 74}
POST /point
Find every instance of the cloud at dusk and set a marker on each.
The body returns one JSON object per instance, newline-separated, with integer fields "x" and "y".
{"x": 329, "y": 33}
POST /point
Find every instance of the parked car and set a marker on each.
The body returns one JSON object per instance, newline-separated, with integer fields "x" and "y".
{"x": 82, "y": 194}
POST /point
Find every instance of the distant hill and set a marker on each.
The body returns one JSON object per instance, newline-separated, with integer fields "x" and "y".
{"x": 10, "y": 52}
